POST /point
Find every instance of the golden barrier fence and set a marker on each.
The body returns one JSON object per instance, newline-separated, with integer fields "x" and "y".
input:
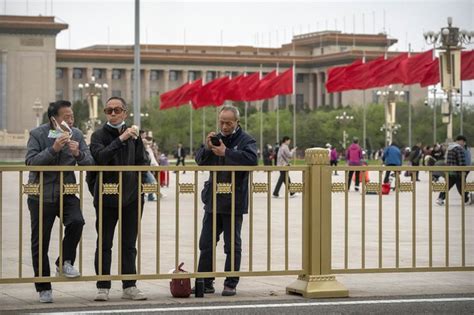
{"x": 265, "y": 210}
{"x": 404, "y": 230}
{"x": 303, "y": 238}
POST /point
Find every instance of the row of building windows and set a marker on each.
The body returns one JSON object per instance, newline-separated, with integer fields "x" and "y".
{"x": 118, "y": 74}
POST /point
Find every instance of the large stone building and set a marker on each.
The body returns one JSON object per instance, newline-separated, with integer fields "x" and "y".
{"x": 32, "y": 69}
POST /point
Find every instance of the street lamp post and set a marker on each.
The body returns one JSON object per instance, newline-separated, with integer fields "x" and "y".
{"x": 38, "y": 109}
{"x": 450, "y": 39}
{"x": 94, "y": 91}
{"x": 344, "y": 119}
{"x": 391, "y": 97}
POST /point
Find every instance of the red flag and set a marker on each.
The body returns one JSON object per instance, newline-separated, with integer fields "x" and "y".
{"x": 335, "y": 81}
{"x": 432, "y": 74}
{"x": 180, "y": 95}
{"x": 413, "y": 69}
{"x": 283, "y": 83}
{"x": 210, "y": 93}
{"x": 372, "y": 68}
{"x": 170, "y": 98}
{"x": 260, "y": 91}
{"x": 248, "y": 84}
{"x": 231, "y": 91}
{"x": 388, "y": 73}
{"x": 349, "y": 72}
{"x": 189, "y": 92}
{"x": 467, "y": 65}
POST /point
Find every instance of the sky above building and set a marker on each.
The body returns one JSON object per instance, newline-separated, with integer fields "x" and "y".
{"x": 245, "y": 22}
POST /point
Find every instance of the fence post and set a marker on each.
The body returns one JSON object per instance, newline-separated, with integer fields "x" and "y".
{"x": 316, "y": 282}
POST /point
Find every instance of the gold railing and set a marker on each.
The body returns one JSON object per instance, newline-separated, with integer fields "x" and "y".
{"x": 306, "y": 235}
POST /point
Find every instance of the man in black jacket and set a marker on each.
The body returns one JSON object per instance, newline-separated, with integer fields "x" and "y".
{"x": 235, "y": 147}
{"x": 117, "y": 144}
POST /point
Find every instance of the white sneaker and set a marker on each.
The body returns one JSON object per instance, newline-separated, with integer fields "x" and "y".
{"x": 46, "y": 296}
{"x": 294, "y": 195}
{"x": 102, "y": 295}
{"x": 68, "y": 271}
{"x": 132, "y": 293}
{"x": 439, "y": 202}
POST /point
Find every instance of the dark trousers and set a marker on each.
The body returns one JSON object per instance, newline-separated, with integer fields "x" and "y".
{"x": 73, "y": 221}
{"x": 180, "y": 160}
{"x": 280, "y": 182}
{"x": 223, "y": 224}
{"x": 417, "y": 176}
{"x": 334, "y": 163}
{"x": 386, "y": 179}
{"x": 455, "y": 179}
{"x": 129, "y": 239}
{"x": 357, "y": 179}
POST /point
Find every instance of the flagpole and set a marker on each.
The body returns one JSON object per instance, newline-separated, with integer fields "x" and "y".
{"x": 364, "y": 127}
{"x": 294, "y": 102}
{"x": 409, "y": 105}
{"x": 277, "y": 113}
{"x": 261, "y": 118}
{"x": 246, "y": 104}
{"x": 191, "y": 129}
{"x": 203, "y": 125}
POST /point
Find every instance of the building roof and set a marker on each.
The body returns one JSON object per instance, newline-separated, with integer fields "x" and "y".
{"x": 16, "y": 24}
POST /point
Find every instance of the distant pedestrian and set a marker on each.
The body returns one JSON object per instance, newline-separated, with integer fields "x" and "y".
{"x": 354, "y": 158}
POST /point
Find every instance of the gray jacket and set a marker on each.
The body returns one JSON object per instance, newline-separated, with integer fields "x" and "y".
{"x": 40, "y": 152}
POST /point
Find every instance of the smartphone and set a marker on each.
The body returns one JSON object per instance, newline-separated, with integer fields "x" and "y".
{"x": 215, "y": 141}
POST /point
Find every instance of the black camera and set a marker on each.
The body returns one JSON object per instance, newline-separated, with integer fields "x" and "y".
{"x": 215, "y": 141}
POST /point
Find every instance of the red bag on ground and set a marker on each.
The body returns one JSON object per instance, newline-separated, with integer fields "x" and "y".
{"x": 180, "y": 288}
{"x": 385, "y": 188}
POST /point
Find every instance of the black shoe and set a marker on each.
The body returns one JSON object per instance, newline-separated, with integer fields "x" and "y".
{"x": 207, "y": 289}
{"x": 228, "y": 291}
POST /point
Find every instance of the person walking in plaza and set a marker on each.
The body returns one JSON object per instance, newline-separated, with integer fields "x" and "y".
{"x": 117, "y": 144}
{"x": 283, "y": 159}
{"x": 180, "y": 155}
{"x": 333, "y": 157}
{"x": 56, "y": 143}
{"x": 354, "y": 158}
{"x": 234, "y": 147}
{"x": 455, "y": 156}
{"x": 392, "y": 156}
{"x": 414, "y": 157}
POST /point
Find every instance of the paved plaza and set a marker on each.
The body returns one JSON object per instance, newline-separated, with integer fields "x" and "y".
{"x": 81, "y": 294}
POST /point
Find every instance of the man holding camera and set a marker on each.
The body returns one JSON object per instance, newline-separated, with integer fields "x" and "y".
{"x": 232, "y": 146}
{"x": 56, "y": 143}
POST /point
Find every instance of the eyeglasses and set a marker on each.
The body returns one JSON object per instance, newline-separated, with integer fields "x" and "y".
{"x": 117, "y": 110}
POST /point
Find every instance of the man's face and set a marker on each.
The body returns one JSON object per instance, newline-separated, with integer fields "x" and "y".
{"x": 65, "y": 114}
{"x": 227, "y": 122}
{"x": 461, "y": 143}
{"x": 115, "y": 112}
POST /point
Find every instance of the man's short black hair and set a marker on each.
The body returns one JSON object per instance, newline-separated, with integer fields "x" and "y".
{"x": 54, "y": 107}
{"x": 461, "y": 137}
{"x": 124, "y": 104}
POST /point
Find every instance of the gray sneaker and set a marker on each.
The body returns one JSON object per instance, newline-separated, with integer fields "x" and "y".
{"x": 46, "y": 296}
{"x": 102, "y": 295}
{"x": 439, "y": 202}
{"x": 68, "y": 270}
{"x": 132, "y": 293}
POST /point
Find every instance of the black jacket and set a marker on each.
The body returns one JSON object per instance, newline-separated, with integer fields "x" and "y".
{"x": 241, "y": 150}
{"x": 107, "y": 149}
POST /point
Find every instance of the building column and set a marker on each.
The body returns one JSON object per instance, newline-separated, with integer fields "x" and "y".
{"x": 166, "y": 77}
{"x": 311, "y": 91}
{"x": 108, "y": 79}
{"x": 146, "y": 84}
{"x": 322, "y": 95}
{"x": 69, "y": 85}
{"x": 184, "y": 74}
{"x": 88, "y": 74}
{"x": 128, "y": 85}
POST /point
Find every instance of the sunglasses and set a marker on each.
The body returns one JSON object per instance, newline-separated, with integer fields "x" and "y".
{"x": 117, "y": 110}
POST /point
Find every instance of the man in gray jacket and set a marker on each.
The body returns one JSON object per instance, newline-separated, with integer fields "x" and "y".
{"x": 56, "y": 143}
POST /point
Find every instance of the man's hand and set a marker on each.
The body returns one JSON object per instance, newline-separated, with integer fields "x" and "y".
{"x": 217, "y": 150}
{"x": 74, "y": 147}
{"x": 129, "y": 132}
{"x": 60, "y": 142}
